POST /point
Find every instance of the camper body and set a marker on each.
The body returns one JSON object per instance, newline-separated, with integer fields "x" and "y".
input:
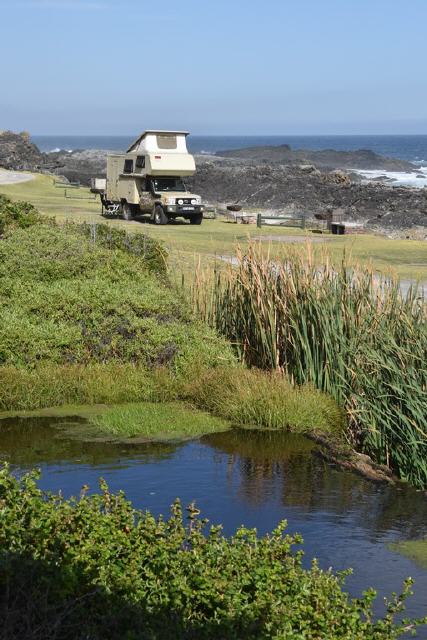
{"x": 148, "y": 179}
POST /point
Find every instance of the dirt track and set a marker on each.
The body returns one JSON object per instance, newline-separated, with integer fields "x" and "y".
{"x": 12, "y": 177}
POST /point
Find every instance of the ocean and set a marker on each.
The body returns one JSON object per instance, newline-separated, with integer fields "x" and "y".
{"x": 406, "y": 147}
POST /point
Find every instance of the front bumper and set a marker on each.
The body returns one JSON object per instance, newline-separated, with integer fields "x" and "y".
{"x": 185, "y": 209}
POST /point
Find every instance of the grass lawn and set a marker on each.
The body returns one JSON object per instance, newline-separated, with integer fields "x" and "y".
{"x": 407, "y": 258}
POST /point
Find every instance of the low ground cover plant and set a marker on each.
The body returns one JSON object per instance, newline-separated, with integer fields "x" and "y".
{"x": 94, "y": 567}
{"x": 69, "y": 302}
{"x": 15, "y": 215}
{"x": 348, "y": 331}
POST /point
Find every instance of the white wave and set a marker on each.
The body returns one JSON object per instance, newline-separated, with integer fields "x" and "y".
{"x": 57, "y": 150}
{"x": 416, "y": 179}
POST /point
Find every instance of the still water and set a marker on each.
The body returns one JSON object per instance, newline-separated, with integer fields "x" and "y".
{"x": 244, "y": 477}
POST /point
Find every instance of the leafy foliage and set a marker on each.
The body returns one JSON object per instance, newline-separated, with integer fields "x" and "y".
{"x": 16, "y": 214}
{"x": 152, "y": 251}
{"x": 94, "y": 567}
{"x": 68, "y": 300}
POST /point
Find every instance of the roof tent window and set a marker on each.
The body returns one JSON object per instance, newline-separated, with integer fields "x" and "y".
{"x": 128, "y": 168}
{"x": 140, "y": 162}
{"x": 166, "y": 141}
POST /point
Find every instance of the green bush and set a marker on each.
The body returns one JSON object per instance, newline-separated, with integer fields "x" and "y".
{"x": 152, "y": 251}
{"x": 96, "y": 568}
{"x": 16, "y": 214}
{"x": 67, "y": 300}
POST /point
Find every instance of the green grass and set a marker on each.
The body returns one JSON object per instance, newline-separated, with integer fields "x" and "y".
{"x": 53, "y": 385}
{"x": 235, "y": 394}
{"x": 252, "y": 397}
{"x": 407, "y": 258}
{"x": 158, "y": 421}
{"x": 415, "y": 550}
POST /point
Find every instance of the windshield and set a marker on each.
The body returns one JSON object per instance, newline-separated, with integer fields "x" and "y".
{"x": 168, "y": 184}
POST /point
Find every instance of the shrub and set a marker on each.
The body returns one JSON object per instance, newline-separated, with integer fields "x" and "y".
{"x": 16, "y": 215}
{"x": 95, "y": 568}
{"x": 66, "y": 300}
{"x": 153, "y": 252}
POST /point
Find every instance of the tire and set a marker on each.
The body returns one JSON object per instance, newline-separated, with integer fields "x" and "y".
{"x": 197, "y": 219}
{"x": 127, "y": 212}
{"x": 159, "y": 215}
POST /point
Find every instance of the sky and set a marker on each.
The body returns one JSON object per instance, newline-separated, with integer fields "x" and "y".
{"x": 116, "y": 67}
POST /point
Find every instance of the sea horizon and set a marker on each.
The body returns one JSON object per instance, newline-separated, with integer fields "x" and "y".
{"x": 411, "y": 147}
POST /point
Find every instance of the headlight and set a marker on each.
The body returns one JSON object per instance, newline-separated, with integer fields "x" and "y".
{"x": 194, "y": 201}
{"x": 170, "y": 201}
{"x": 180, "y": 201}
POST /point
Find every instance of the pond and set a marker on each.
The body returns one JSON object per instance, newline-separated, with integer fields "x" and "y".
{"x": 243, "y": 477}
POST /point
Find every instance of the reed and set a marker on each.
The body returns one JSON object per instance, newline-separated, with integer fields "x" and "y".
{"x": 347, "y": 330}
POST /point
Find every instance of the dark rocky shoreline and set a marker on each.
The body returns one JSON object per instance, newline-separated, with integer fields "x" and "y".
{"x": 274, "y": 178}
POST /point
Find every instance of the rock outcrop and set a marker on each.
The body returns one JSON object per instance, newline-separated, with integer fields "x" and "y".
{"x": 291, "y": 189}
{"x": 17, "y": 152}
{"x": 326, "y": 159}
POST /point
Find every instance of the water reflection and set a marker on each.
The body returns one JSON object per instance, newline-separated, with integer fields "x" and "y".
{"x": 268, "y": 464}
{"x": 28, "y": 442}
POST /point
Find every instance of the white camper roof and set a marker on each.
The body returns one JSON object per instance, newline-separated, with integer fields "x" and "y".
{"x": 148, "y": 141}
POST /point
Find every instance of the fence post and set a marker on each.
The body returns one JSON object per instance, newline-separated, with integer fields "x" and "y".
{"x": 259, "y": 220}
{"x": 303, "y": 221}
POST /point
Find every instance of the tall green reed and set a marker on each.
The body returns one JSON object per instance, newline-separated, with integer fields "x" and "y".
{"x": 347, "y": 330}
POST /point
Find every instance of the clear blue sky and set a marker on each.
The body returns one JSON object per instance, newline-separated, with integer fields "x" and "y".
{"x": 219, "y": 67}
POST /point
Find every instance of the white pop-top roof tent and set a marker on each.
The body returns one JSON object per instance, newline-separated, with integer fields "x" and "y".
{"x": 165, "y": 153}
{"x": 157, "y": 141}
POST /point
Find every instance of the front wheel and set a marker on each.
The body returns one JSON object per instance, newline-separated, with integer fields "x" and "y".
{"x": 197, "y": 219}
{"x": 160, "y": 216}
{"x": 127, "y": 211}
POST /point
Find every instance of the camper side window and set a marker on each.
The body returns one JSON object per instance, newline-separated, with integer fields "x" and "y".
{"x": 166, "y": 142}
{"x": 140, "y": 162}
{"x": 128, "y": 168}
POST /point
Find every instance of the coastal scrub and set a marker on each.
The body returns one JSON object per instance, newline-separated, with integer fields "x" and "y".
{"x": 81, "y": 322}
{"x": 95, "y": 567}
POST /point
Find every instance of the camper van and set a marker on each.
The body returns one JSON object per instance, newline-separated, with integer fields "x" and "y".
{"x": 150, "y": 179}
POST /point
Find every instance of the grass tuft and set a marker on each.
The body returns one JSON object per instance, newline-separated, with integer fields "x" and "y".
{"x": 165, "y": 421}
